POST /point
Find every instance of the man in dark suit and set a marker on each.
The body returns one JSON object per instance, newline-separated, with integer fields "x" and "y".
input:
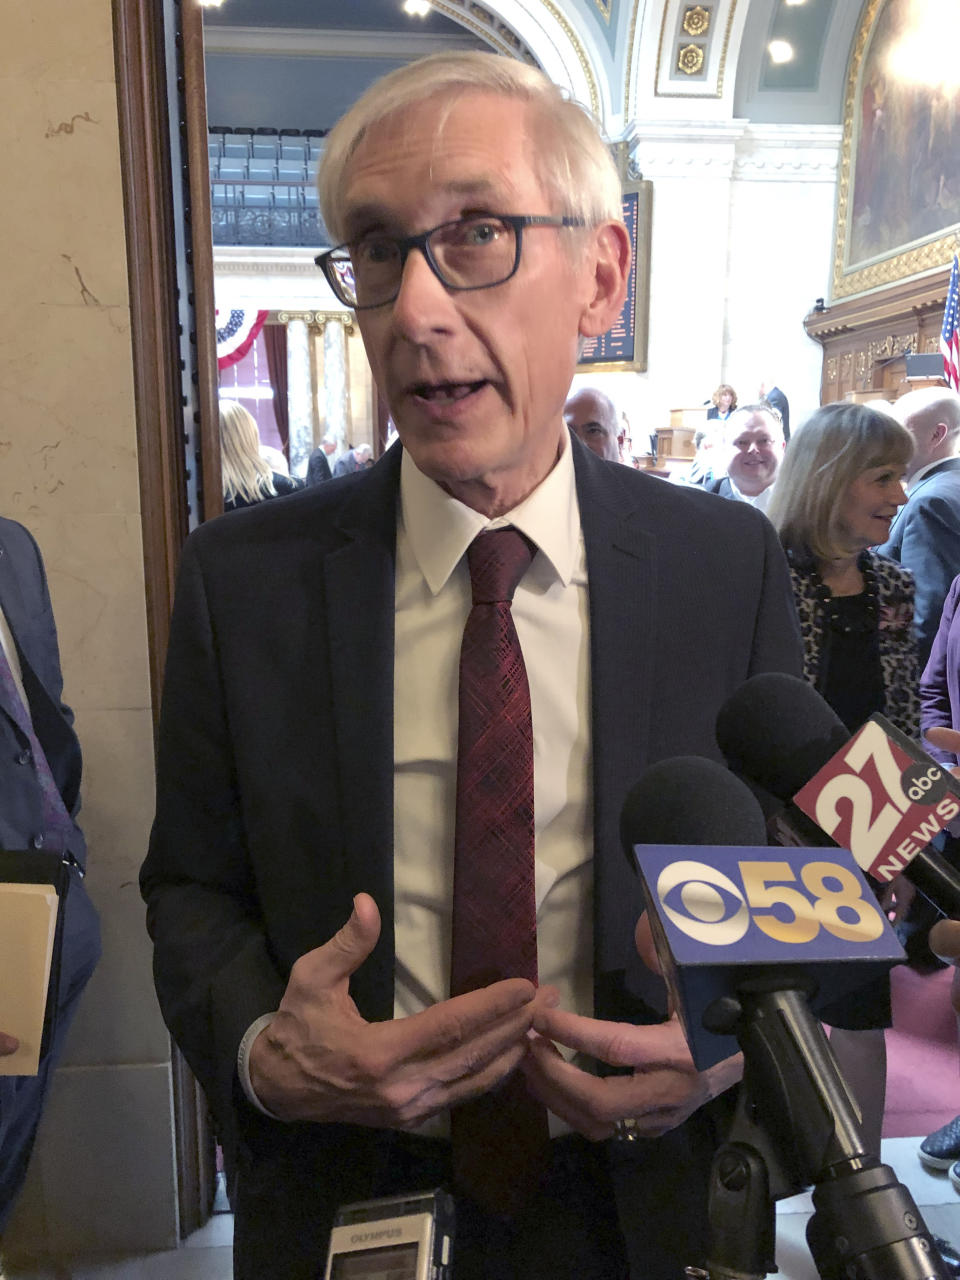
{"x": 300, "y": 875}
{"x": 592, "y": 416}
{"x": 779, "y": 401}
{"x": 318, "y": 465}
{"x": 39, "y": 802}
{"x": 754, "y": 439}
{"x": 359, "y": 458}
{"x": 925, "y": 535}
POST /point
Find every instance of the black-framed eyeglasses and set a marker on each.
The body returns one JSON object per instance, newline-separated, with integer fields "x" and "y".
{"x": 478, "y": 252}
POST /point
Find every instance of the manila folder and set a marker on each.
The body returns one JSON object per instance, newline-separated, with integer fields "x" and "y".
{"x": 28, "y": 920}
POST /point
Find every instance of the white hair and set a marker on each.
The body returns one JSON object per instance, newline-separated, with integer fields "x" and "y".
{"x": 570, "y": 157}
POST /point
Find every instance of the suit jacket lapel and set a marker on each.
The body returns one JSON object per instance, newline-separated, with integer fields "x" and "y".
{"x": 622, "y": 566}
{"x": 896, "y": 531}
{"x": 46, "y": 713}
{"x": 11, "y": 599}
{"x": 359, "y": 579}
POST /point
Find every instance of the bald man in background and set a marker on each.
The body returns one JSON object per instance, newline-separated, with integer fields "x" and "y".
{"x": 592, "y": 416}
{"x": 925, "y": 535}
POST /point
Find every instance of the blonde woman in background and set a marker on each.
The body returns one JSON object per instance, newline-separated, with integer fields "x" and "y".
{"x": 723, "y": 402}
{"x": 837, "y": 491}
{"x": 247, "y": 477}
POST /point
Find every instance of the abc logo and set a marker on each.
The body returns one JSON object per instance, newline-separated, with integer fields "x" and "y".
{"x": 708, "y": 907}
{"x": 923, "y": 783}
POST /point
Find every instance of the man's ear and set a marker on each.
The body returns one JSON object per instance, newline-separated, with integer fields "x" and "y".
{"x": 610, "y": 260}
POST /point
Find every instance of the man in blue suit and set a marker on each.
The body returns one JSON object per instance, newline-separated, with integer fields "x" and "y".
{"x": 299, "y": 879}
{"x": 39, "y": 803}
{"x": 925, "y": 535}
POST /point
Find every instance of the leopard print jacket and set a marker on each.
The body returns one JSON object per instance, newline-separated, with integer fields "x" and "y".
{"x": 892, "y": 589}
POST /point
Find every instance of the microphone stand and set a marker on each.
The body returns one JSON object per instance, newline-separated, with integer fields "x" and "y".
{"x": 797, "y": 1126}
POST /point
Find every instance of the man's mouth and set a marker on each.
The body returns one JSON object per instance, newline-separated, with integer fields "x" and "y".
{"x": 445, "y": 392}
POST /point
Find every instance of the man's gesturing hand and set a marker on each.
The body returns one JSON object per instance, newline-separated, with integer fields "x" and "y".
{"x": 320, "y": 1060}
{"x": 664, "y": 1089}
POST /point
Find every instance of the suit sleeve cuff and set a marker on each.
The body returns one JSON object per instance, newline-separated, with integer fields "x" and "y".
{"x": 243, "y": 1063}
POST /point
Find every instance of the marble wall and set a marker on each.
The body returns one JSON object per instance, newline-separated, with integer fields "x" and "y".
{"x": 103, "y": 1177}
{"x": 742, "y": 246}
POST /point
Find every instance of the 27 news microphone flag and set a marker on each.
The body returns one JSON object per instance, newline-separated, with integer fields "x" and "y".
{"x": 949, "y": 335}
{"x": 882, "y": 797}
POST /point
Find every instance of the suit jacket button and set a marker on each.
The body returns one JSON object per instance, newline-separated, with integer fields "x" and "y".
{"x": 37, "y": 841}
{"x": 23, "y": 757}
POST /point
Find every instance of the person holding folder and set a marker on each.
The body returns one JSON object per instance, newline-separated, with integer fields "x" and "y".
{"x": 39, "y": 800}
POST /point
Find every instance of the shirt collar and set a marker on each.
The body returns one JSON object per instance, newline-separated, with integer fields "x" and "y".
{"x": 440, "y": 528}
{"x": 760, "y": 500}
{"x": 922, "y": 473}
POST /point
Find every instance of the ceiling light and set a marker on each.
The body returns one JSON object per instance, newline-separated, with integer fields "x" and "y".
{"x": 780, "y": 51}
{"x": 210, "y": 4}
{"x": 417, "y": 8}
{"x": 790, "y": 3}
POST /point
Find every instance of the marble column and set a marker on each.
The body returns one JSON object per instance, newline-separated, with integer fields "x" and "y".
{"x": 335, "y": 393}
{"x": 299, "y": 395}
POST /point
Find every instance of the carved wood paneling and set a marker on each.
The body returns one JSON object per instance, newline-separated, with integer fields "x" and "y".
{"x": 864, "y": 339}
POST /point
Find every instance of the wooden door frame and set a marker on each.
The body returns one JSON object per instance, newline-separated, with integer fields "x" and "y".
{"x": 179, "y": 455}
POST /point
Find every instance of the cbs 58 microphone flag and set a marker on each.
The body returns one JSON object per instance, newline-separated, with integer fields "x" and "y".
{"x": 726, "y": 909}
{"x": 724, "y": 916}
{"x": 791, "y": 917}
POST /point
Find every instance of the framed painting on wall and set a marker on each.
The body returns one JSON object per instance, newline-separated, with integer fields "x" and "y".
{"x": 898, "y": 205}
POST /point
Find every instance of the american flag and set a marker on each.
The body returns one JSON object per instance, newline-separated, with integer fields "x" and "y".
{"x": 949, "y": 334}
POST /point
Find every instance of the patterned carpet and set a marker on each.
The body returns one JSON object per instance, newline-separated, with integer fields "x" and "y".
{"x": 923, "y": 1060}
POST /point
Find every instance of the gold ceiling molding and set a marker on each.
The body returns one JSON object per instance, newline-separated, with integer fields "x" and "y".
{"x": 725, "y": 49}
{"x": 628, "y": 94}
{"x": 690, "y": 59}
{"x": 685, "y": 60}
{"x": 605, "y": 7}
{"x": 579, "y": 50}
{"x": 897, "y": 266}
{"x": 696, "y": 20}
{"x": 484, "y": 22}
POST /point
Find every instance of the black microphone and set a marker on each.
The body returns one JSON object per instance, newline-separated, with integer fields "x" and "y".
{"x": 877, "y": 792}
{"x": 690, "y": 800}
{"x": 725, "y": 909}
{"x": 742, "y": 940}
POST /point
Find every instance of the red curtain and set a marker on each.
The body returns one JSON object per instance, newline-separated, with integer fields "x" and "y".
{"x": 275, "y": 341}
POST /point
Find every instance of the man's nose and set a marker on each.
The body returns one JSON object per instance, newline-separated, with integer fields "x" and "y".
{"x": 423, "y": 304}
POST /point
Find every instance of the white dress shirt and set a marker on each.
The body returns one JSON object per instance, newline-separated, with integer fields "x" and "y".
{"x": 9, "y": 647}
{"x": 760, "y": 500}
{"x": 550, "y": 610}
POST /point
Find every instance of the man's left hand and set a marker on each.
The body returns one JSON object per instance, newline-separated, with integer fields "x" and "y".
{"x": 664, "y": 1089}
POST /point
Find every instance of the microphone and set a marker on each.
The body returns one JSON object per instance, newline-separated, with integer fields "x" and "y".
{"x": 742, "y": 940}
{"x": 725, "y": 915}
{"x": 876, "y": 793}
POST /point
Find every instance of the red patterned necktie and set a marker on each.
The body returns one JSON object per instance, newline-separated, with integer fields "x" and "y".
{"x": 499, "y": 1140}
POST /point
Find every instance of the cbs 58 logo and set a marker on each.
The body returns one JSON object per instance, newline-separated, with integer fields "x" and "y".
{"x": 712, "y": 907}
